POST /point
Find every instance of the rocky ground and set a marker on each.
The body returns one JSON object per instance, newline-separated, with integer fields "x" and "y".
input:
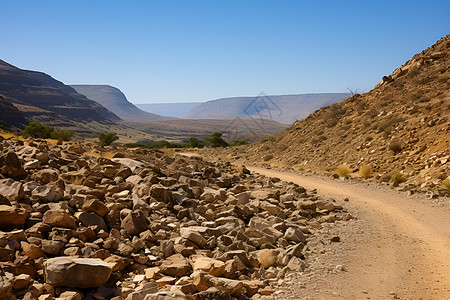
{"x": 79, "y": 221}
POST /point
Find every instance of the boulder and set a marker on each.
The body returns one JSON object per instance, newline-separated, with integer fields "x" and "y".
{"x": 134, "y": 223}
{"x": 59, "y": 218}
{"x": 52, "y": 247}
{"x": 294, "y": 235}
{"x": 213, "y": 293}
{"x": 11, "y": 189}
{"x": 76, "y": 272}
{"x": 10, "y": 166}
{"x": 206, "y": 264}
{"x": 91, "y": 219}
{"x": 11, "y": 216}
{"x": 94, "y": 205}
{"x": 175, "y": 265}
{"x": 192, "y": 234}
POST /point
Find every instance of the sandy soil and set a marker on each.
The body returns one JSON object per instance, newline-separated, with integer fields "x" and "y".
{"x": 397, "y": 247}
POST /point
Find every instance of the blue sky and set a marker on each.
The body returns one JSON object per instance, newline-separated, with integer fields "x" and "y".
{"x": 181, "y": 51}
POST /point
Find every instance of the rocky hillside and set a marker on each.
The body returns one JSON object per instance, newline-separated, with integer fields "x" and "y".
{"x": 39, "y": 97}
{"x": 140, "y": 224}
{"x": 403, "y": 124}
{"x": 114, "y": 100}
{"x": 285, "y": 109}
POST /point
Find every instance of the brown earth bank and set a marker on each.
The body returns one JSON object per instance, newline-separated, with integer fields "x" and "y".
{"x": 80, "y": 221}
{"x": 402, "y": 125}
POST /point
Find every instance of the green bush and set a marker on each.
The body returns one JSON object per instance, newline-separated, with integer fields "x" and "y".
{"x": 398, "y": 177}
{"x": 239, "y": 143}
{"x": 193, "y": 143}
{"x": 65, "y": 135}
{"x": 215, "y": 140}
{"x": 107, "y": 138}
{"x": 37, "y": 130}
{"x": 2, "y": 125}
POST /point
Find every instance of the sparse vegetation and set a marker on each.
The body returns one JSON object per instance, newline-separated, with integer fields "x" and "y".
{"x": 239, "y": 143}
{"x": 365, "y": 171}
{"x": 215, "y": 140}
{"x": 106, "y": 139}
{"x": 398, "y": 177}
{"x": 2, "y": 125}
{"x": 343, "y": 171}
{"x": 65, "y": 135}
{"x": 446, "y": 184}
{"x": 192, "y": 142}
{"x": 37, "y": 130}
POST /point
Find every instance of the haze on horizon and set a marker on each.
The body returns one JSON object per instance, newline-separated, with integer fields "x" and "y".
{"x": 176, "y": 51}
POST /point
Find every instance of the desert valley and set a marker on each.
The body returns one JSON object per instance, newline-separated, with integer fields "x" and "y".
{"x": 325, "y": 195}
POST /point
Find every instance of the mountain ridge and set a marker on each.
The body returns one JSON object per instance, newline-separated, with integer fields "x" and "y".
{"x": 42, "y": 98}
{"x": 281, "y": 108}
{"x": 114, "y": 100}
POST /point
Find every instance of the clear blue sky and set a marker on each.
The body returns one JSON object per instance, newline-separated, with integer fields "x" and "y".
{"x": 179, "y": 51}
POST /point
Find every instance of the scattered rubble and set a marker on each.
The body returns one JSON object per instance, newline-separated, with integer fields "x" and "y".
{"x": 146, "y": 225}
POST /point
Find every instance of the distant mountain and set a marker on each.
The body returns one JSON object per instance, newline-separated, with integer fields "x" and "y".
{"x": 281, "y": 108}
{"x": 114, "y": 100}
{"x": 176, "y": 110}
{"x": 39, "y": 97}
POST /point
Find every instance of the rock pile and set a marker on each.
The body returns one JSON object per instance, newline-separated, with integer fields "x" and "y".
{"x": 144, "y": 225}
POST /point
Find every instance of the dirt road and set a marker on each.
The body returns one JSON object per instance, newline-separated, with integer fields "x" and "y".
{"x": 397, "y": 248}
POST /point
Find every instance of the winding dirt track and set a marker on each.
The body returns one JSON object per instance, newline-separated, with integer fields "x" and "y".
{"x": 399, "y": 247}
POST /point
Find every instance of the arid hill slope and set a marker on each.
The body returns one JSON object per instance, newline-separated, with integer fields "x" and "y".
{"x": 39, "y": 97}
{"x": 400, "y": 125}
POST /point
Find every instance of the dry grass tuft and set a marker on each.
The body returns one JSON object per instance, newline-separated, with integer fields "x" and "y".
{"x": 169, "y": 152}
{"x": 398, "y": 177}
{"x": 343, "y": 171}
{"x": 365, "y": 171}
{"x": 446, "y": 184}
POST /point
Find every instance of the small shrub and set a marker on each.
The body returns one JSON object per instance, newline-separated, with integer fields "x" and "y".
{"x": 65, "y": 135}
{"x": 215, "y": 140}
{"x": 343, "y": 171}
{"x": 106, "y": 139}
{"x": 169, "y": 152}
{"x": 37, "y": 130}
{"x": 446, "y": 184}
{"x": 396, "y": 146}
{"x": 365, "y": 171}
{"x": 2, "y": 125}
{"x": 194, "y": 143}
{"x": 398, "y": 177}
{"x": 239, "y": 143}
